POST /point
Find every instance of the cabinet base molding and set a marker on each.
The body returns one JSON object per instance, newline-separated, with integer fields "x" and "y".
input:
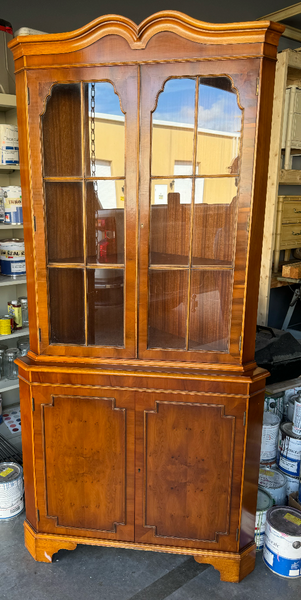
{"x": 233, "y": 567}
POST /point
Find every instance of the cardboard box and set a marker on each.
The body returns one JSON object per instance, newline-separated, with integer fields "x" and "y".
{"x": 292, "y": 270}
{"x": 293, "y": 500}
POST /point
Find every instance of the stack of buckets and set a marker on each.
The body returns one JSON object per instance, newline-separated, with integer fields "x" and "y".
{"x": 278, "y": 527}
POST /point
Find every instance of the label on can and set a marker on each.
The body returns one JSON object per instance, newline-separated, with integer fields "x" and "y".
{"x": 292, "y": 518}
{"x": 296, "y": 428}
{"x": 6, "y": 472}
{"x": 289, "y": 466}
{"x": 5, "y": 326}
{"x": 15, "y": 310}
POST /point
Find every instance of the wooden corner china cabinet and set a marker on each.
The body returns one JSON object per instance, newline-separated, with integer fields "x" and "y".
{"x": 144, "y": 153}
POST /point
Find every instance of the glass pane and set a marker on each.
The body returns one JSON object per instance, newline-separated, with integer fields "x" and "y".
{"x": 64, "y": 210}
{"x": 105, "y": 222}
{"x": 105, "y": 124}
{"x": 170, "y": 221}
{"x": 67, "y": 306}
{"x": 219, "y": 126}
{"x": 210, "y": 310}
{"x": 214, "y": 222}
{"x": 173, "y": 127}
{"x": 167, "y": 309}
{"x": 61, "y": 126}
{"x": 105, "y": 307}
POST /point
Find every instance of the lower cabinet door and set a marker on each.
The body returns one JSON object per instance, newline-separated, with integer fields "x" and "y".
{"x": 84, "y": 459}
{"x": 189, "y": 464}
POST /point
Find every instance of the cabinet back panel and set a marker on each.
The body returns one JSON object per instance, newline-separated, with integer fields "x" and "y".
{"x": 61, "y": 125}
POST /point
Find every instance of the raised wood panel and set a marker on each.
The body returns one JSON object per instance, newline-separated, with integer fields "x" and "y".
{"x": 189, "y": 455}
{"x": 189, "y": 461}
{"x": 84, "y": 461}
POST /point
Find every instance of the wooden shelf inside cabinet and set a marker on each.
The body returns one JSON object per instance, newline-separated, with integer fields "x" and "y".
{"x": 167, "y": 398}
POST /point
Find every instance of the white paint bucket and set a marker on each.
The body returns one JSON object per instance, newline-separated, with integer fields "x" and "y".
{"x": 264, "y": 502}
{"x": 296, "y": 428}
{"x": 269, "y": 436}
{"x": 11, "y": 490}
{"x": 274, "y": 482}
{"x": 282, "y": 544}
{"x": 289, "y": 451}
{"x": 292, "y": 484}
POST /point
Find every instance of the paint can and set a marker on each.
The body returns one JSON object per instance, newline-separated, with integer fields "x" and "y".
{"x": 269, "y": 436}
{"x": 12, "y": 257}
{"x": 5, "y": 325}
{"x": 291, "y": 406}
{"x": 289, "y": 451}
{"x": 11, "y": 490}
{"x": 274, "y": 482}
{"x": 13, "y": 205}
{"x": 14, "y": 309}
{"x": 282, "y": 544}
{"x": 292, "y": 485}
{"x": 264, "y": 502}
{"x": 271, "y": 464}
{"x": 274, "y": 404}
{"x": 296, "y": 428}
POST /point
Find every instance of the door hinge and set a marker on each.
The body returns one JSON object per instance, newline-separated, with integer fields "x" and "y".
{"x": 244, "y": 418}
{"x": 28, "y": 96}
{"x": 237, "y": 534}
{"x": 40, "y": 335}
{"x": 32, "y": 404}
{"x": 257, "y": 86}
{"x": 34, "y": 223}
{"x": 248, "y": 224}
{"x": 239, "y": 344}
{"x": 38, "y": 515}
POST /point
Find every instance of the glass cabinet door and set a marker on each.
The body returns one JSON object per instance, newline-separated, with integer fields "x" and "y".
{"x": 85, "y": 182}
{"x": 195, "y": 142}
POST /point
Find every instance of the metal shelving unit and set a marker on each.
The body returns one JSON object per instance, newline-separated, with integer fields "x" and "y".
{"x": 10, "y": 288}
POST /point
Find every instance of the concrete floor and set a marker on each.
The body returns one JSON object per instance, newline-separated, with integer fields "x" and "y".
{"x": 95, "y": 573}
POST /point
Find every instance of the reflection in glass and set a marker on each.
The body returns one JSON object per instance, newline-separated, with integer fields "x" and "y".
{"x": 173, "y": 126}
{"x": 214, "y": 222}
{"x": 64, "y": 209}
{"x": 105, "y": 307}
{"x": 170, "y": 222}
{"x": 219, "y": 126}
{"x": 105, "y": 223}
{"x": 67, "y": 309}
{"x": 105, "y": 124}
{"x": 210, "y": 310}
{"x": 61, "y": 127}
{"x": 167, "y": 309}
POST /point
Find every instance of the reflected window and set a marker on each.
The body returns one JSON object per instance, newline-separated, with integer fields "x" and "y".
{"x": 196, "y": 138}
